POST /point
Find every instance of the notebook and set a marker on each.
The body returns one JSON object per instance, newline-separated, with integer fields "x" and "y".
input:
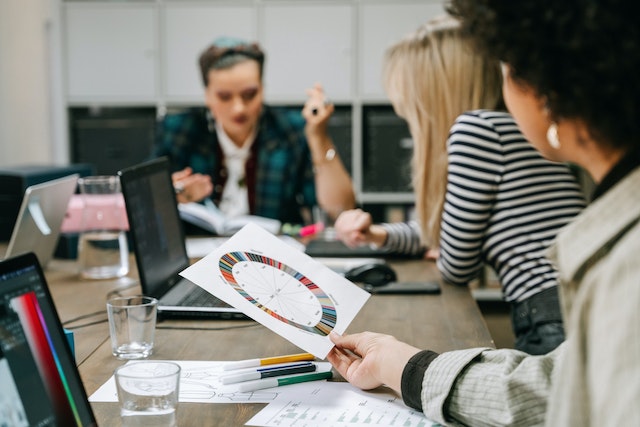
{"x": 159, "y": 244}
{"x": 41, "y": 214}
{"x": 40, "y": 383}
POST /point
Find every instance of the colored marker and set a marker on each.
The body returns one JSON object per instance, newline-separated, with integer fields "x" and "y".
{"x": 277, "y": 382}
{"x": 253, "y": 363}
{"x": 311, "y": 229}
{"x": 276, "y": 371}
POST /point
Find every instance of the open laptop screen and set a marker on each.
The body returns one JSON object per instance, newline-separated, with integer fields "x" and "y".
{"x": 40, "y": 383}
{"x": 155, "y": 224}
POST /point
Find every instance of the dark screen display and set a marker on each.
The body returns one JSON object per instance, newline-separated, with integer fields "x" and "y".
{"x": 40, "y": 384}
{"x": 156, "y": 228}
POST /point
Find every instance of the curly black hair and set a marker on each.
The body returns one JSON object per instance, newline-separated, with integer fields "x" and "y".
{"x": 583, "y": 56}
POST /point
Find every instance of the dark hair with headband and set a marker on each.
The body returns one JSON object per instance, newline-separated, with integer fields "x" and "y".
{"x": 225, "y": 53}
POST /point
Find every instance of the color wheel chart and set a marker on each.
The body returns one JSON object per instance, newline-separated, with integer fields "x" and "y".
{"x": 280, "y": 291}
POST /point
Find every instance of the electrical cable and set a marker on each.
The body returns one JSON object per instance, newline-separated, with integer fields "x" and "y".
{"x": 116, "y": 293}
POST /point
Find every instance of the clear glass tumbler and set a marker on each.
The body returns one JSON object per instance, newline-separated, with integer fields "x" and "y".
{"x": 103, "y": 252}
{"x": 148, "y": 393}
{"x": 132, "y": 326}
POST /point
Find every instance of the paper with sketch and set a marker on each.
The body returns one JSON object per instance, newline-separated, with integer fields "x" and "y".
{"x": 329, "y": 403}
{"x": 200, "y": 382}
{"x": 280, "y": 287}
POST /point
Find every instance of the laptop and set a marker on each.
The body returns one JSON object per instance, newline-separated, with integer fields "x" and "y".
{"x": 40, "y": 383}
{"x": 43, "y": 209}
{"x": 159, "y": 244}
{"x": 335, "y": 248}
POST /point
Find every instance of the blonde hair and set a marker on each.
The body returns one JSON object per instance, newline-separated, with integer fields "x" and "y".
{"x": 431, "y": 77}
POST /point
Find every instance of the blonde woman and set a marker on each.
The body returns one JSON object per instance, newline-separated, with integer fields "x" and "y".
{"x": 483, "y": 194}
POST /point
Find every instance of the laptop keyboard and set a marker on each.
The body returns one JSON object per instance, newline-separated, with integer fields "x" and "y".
{"x": 201, "y": 298}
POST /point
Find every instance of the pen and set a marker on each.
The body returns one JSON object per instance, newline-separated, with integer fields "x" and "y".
{"x": 277, "y": 382}
{"x": 276, "y": 371}
{"x": 252, "y": 363}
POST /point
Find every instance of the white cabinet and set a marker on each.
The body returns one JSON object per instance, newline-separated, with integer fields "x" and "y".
{"x": 111, "y": 53}
{"x": 382, "y": 24}
{"x": 307, "y": 42}
{"x": 187, "y": 29}
{"x": 144, "y": 53}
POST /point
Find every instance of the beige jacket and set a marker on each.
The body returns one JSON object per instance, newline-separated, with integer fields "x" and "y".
{"x": 593, "y": 378}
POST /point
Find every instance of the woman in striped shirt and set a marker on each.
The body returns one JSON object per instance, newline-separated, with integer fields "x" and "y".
{"x": 486, "y": 196}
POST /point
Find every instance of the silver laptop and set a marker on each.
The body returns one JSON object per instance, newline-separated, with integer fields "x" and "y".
{"x": 40, "y": 217}
{"x": 159, "y": 244}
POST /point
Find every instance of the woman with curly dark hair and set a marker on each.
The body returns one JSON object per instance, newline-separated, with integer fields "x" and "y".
{"x": 567, "y": 67}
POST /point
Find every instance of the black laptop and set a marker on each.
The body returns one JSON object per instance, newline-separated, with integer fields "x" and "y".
{"x": 159, "y": 244}
{"x": 319, "y": 248}
{"x": 39, "y": 381}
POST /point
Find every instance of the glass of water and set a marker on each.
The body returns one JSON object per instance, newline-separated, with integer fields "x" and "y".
{"x": 103, "y": 252}
{"x": 148, "y": 393}
{"x": 132, "y": 326}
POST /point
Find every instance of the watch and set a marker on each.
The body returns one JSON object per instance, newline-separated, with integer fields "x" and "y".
{"x": 330, "y": 154}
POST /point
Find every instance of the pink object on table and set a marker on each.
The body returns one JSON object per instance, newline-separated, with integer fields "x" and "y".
{"x": 73, "y": 221}
{"x": 309, "y": 230}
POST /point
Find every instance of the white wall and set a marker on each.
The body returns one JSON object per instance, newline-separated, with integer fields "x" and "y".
{"x": 27, "y": 131}
{"x": 33, "y": 99}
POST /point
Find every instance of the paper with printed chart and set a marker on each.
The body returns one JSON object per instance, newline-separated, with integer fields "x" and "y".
{"x": 333, "y": 403}
{"x": 280, "y": 287}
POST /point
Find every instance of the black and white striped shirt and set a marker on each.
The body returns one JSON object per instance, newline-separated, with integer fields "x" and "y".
{"x": 503, "y": 206}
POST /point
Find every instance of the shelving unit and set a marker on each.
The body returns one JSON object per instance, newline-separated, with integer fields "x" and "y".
{"x": 120, "y": 56}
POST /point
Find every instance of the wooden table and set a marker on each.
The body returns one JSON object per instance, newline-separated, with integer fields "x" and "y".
{"x": 438, "y": 322}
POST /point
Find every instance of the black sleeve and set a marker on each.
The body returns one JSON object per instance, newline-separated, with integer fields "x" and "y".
{"x": 412, "y": 375}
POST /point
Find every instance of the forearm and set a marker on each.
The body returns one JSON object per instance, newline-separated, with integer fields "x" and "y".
{"x": 488, "y": 387}
{"x": 334, "y": 189}
{"x": 403, "y": 237}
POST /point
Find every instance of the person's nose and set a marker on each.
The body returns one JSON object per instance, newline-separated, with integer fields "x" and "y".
{"x": 238, "y": 105}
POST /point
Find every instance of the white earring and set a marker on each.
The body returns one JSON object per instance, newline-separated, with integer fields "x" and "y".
{"x": 552, "y": 136}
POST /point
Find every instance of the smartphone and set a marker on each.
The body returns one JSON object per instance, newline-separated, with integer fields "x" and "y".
{"x": 430, "y": 287}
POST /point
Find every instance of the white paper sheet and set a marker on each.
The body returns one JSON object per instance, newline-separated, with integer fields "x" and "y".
{"x": 280, "y": 287}
{"x": 200, "y": 382}
{"x": 199, "y": 247}
{"x": 338, "y": 404}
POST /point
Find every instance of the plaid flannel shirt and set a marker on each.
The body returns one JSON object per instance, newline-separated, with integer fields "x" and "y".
{"x": 284, "y": 179}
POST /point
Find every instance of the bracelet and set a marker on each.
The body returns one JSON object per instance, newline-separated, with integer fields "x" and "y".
{"x": 330, "y": 154}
